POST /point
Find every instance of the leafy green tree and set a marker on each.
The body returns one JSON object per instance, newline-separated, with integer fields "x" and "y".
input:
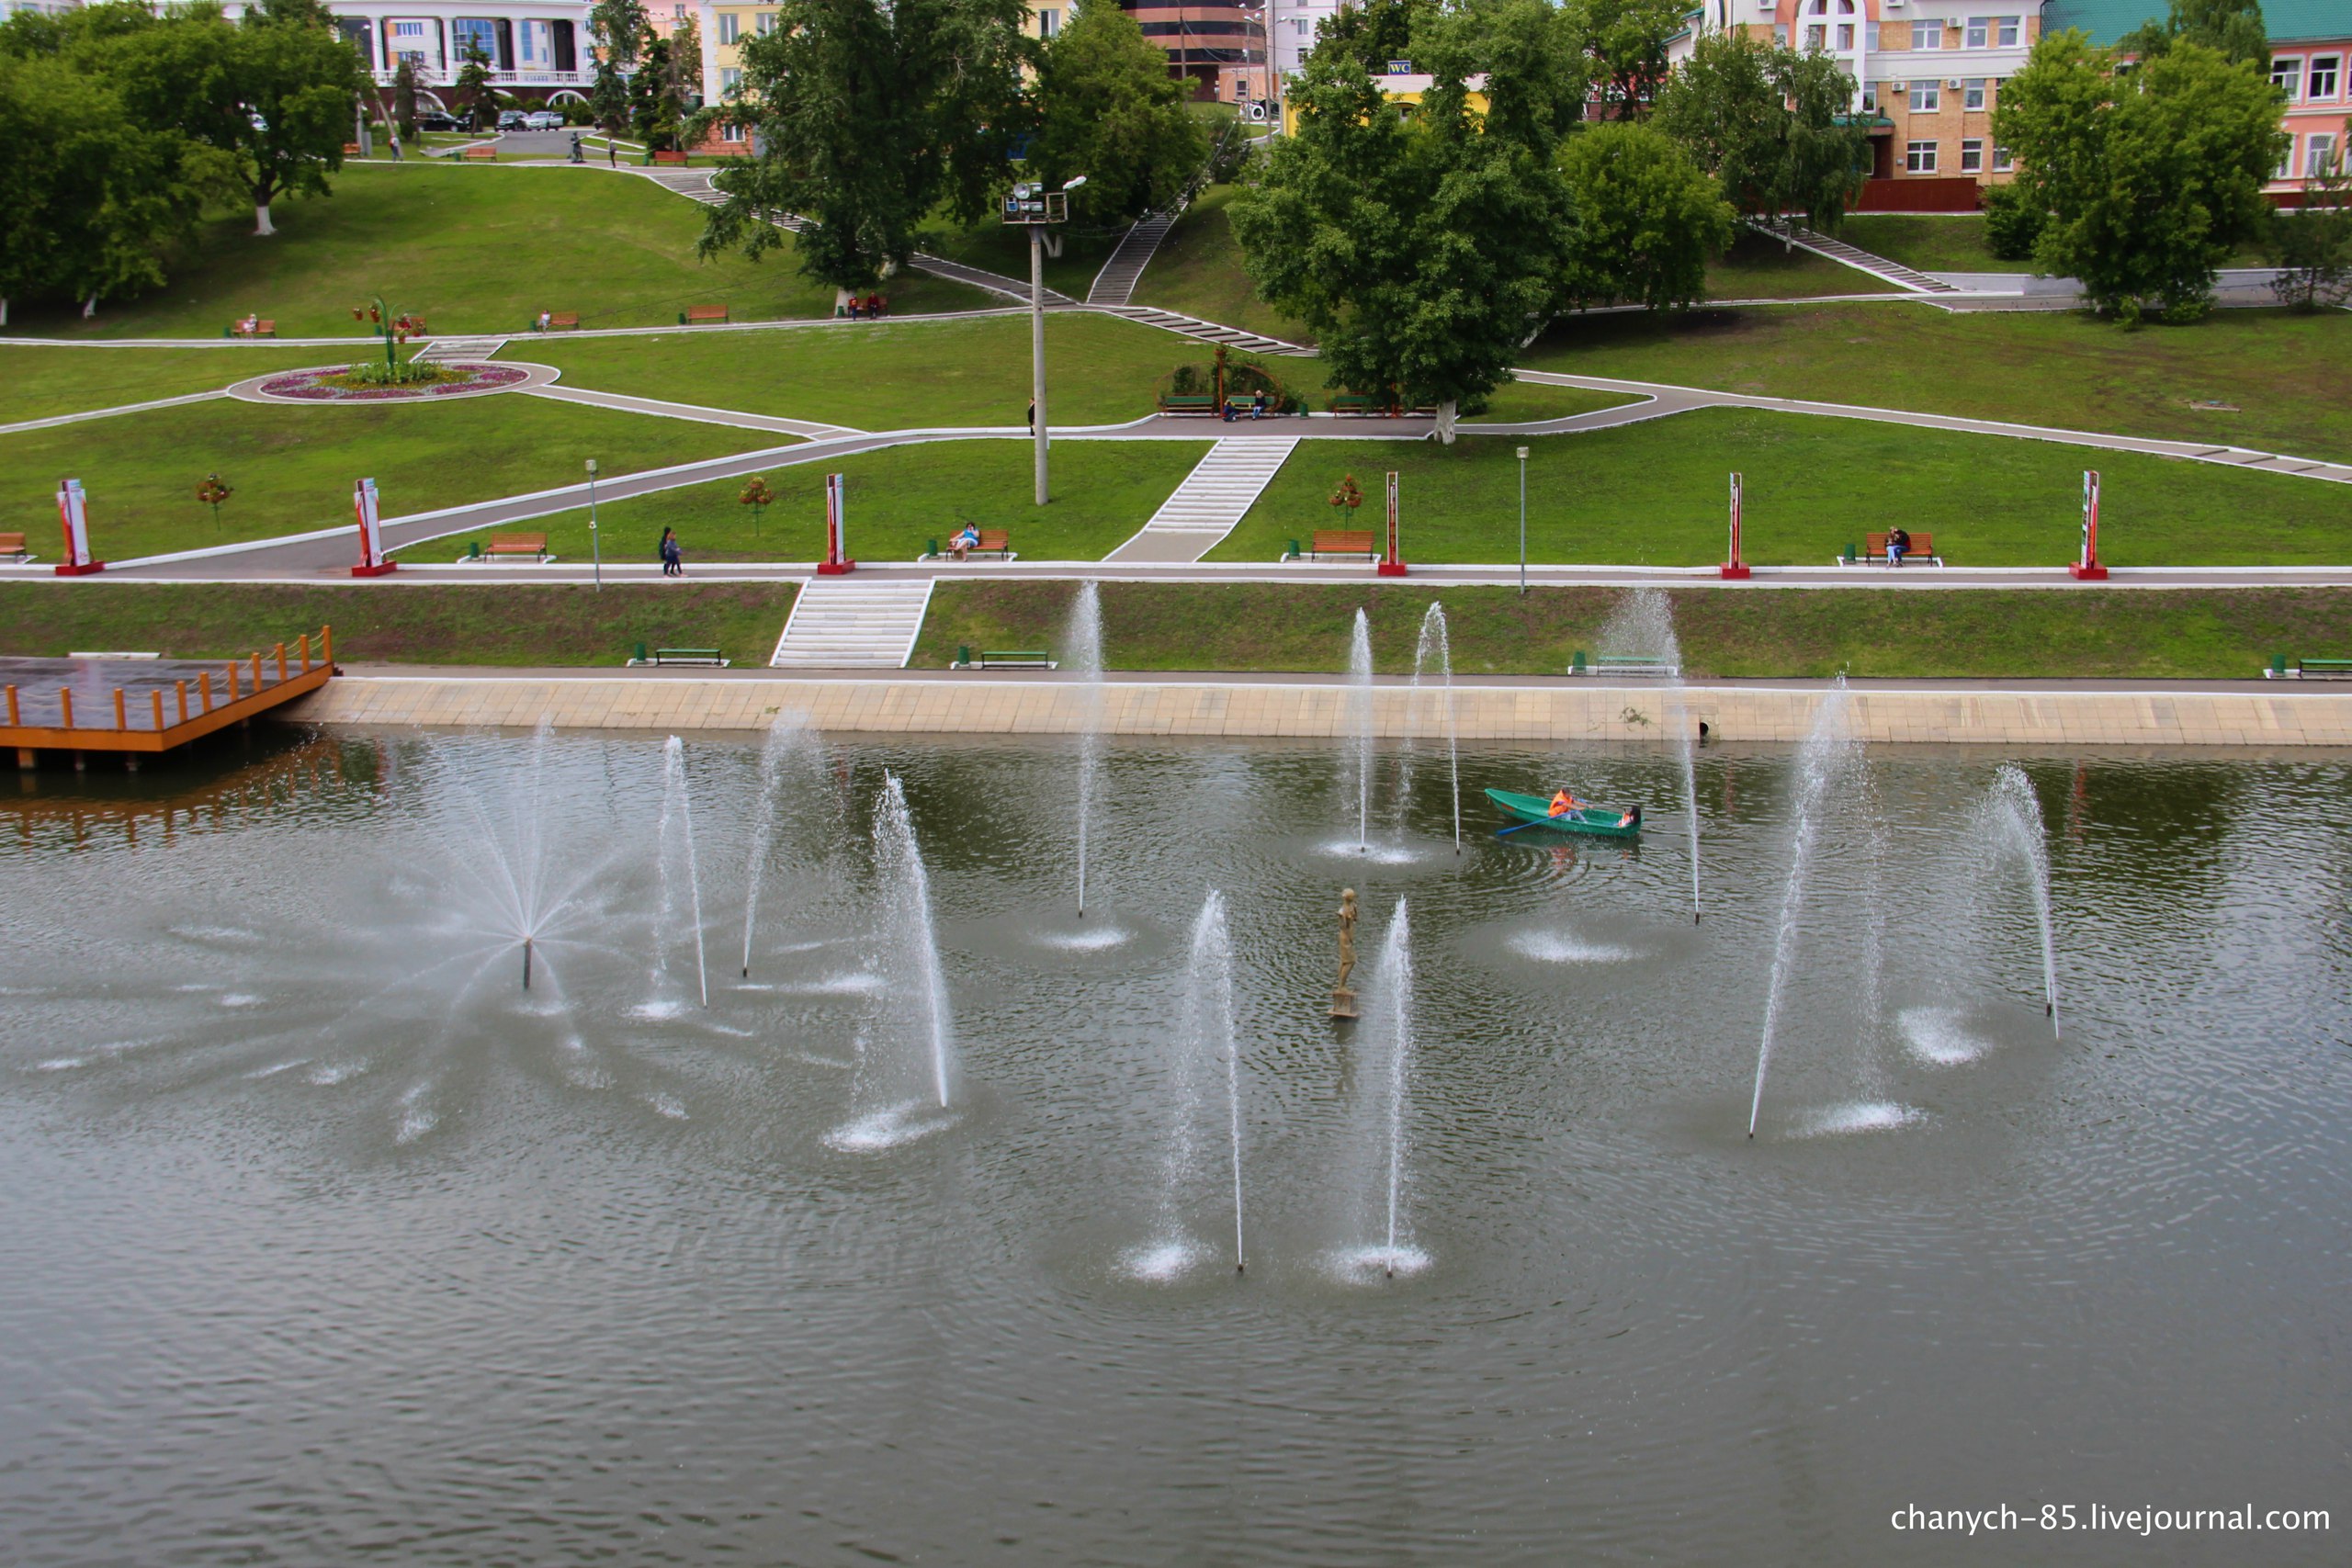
{"x": 1108, "y": 110}
{"x": 621, "y": 28}
{"x": 608, "y": 98}
{"x": 2149, "y": 177}
{"x": 2233, "y": 27}
{"x": 1773, "y": 124}
{"x": 870, "y": 119}
{"x": 1377, "y": 34}
{"x": 2312, "y": 244}
{"x": 404, "y": 97}
{"x": 1647, "y": 219}
{"x": 649, "y": 107}
{"x": 2012, "y": 222}
{"x": 1423, "y": 248}
{"x": 472, "y": 90}
{"x": 1627, "y": 40}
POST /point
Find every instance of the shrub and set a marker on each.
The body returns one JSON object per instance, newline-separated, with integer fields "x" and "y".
{"x": 2012, "y": 224}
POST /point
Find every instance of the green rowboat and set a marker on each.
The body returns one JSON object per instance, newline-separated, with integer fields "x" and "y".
{"x": 1602, "y": 822}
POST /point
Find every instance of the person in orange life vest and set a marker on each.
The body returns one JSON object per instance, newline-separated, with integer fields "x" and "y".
{"x": 1562, "y": 802}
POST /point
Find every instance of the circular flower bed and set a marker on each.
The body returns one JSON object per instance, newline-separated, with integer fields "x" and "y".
{"x": 323, "y": 385}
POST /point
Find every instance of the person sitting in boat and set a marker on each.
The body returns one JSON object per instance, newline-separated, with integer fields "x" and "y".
{"x": 1562, "y": 802}
{"x": 1631, "y": 818}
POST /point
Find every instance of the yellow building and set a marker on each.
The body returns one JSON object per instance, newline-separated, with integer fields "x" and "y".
{"x": 1403, "y": 91}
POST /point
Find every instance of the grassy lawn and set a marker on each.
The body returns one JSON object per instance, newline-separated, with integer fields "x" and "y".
{"x": 292, "y": 468}
{"x": 1518, "y": 402}
{"x": 1759, "y": 267}
{"x": 993, "y": 246}
{"x": 892, "y": 375}
{"x": 1938, "y": 242}
{"x": 501, "y": 623}
{"x": 2288, "y": 376}
{"x": 1198, "y": 270}
{"x": 46, "y": 381}
{"x": 898, "y": 500}
{"x": 1654, "y": 493}
{"x": 1782, "y": 633}
{"x": 469, "y": 250}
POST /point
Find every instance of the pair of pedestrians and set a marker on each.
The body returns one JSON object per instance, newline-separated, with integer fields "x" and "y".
{"x": 674, "y": 555}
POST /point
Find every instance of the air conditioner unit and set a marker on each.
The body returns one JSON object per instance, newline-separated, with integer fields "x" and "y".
{"x": 1894, "y": 4}
{"x": 1951, "y": 84}
{"x": 1898, "y": 86}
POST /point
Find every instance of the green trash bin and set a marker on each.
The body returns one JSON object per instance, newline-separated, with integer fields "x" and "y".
{"x": 963, "y": 656}
{"x": 2278, "y": 665}
{"x": 931, "y": 546}
{"x": 1295, "y": 551}
{"x": 641, "y": 658}
{"x": 1576, "y": 666}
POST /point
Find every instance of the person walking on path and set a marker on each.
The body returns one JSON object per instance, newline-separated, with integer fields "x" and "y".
{"x": 674, "y": 558}
{"x": 576, "y": 156}
{"x": 1033, "y": 416}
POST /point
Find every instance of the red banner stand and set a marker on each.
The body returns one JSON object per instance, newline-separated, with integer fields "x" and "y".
{"x": 373, "y": 562}
{"x": 1734, "y": 569}
{"x": 836, "y": 562}
{"x": 1392, "y": 564}
{"x": 2088, "y": 569}
{"x": 73, "y": 512}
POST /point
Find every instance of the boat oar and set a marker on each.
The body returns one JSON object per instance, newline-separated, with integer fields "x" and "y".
{"x": 1509, "y": 831}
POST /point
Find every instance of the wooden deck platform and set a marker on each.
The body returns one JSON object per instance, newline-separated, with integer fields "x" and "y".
{"x": 140, "y": 707}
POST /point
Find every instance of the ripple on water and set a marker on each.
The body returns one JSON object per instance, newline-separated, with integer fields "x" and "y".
{"x": 1856, "y": 1116}
{"x": 888, "y": 1128}
{"x": 1567, "y": 947}
{"x": 1088, "y": 938}
{"x": 1941, "y": 1035}
{"x": 1377, "y": 1262}
{"x": 1163, "y": 1262}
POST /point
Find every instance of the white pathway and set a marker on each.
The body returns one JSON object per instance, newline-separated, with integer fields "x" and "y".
{"x": 1905, "y": 278}
{"x": 1213, "y": 498}
{"x": 840, "y": 622}
{"x": 454, "y": 348}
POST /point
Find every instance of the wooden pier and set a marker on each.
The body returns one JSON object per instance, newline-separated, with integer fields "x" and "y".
{"x": 143, "y": 707}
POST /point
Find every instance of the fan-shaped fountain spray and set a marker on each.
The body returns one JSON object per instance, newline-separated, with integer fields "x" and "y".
{"x": 788, "y": 738}
{"x": 676, "y": 842}
{"x": 2016, "y": 814}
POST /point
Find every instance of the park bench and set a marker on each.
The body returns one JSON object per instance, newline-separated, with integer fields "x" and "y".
{"x": 1200, "y": 405}
{"x": 532, "y": 545}
{"x": 1360, "y": 403}
{"x": 869, "y": 306}
{"x": 2305, "y": 669}
{"x": 678, "y": 160}
{"x": 251, "y": 326}
{"x": 559, "y": 321}
{"x": 993, "y": 542}
{"x": 479, "y": 155}
{"x": 1923, "y": 547}
{"x": 693, "y": 314}
{"x": 1004, "y": 659}
{"x": 14, "y": 545}
{"x": 707, "y": 656}
{"x": 1243, "y": 408}
{"x": 1620, "y": 664}
{"x": 351, "y": 149}
{"x": 1342, "y": 542}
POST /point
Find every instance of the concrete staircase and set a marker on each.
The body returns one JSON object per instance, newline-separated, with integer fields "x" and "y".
{"x": 1213, "y": 498}
{"x": 443, "y": 350}
{"x": 1862, "y": 259}
{"x": 1116, "y": 281}
{"x": 1207, "y": 332}
{"x": 839, "y": 623}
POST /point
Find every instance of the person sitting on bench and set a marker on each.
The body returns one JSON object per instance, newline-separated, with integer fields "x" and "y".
{"x": 967, "y": 539}
{"x": 1898, "y": 543}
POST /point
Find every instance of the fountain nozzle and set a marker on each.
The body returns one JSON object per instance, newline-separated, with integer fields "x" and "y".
{"x": 527, "y": 963}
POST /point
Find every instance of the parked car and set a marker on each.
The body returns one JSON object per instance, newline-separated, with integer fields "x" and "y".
{"x": 543, "y": 119}
{"x": 434, "y": 120}
{"x": 510, "y": 119}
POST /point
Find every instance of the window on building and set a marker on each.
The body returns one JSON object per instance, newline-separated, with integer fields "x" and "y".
{"x": 1869, "y": 97}
{"x": 2318, "y": 155}
{"x": 2287, "y": 75}
{"x": 1919, "y": 158}
{"x": 729, "y": 81}
{"x": 1972, "y": 157}
{"x": 732, "y": 134}
{"x": 1845, "y": 36}
{"x": 765, "y": 20}
{"x": 1048, "y": 23}
{"x": 2322, "y": 83}
{"x": 1303, "y": 26}
{"x": 467, "y": 35}
{"x": 1926, "y": 97}
{"x": 729, "y": 27}
{"x": 1816, "y": 36}
{"x": 2006, "y": 31}
{"x": 677, "y": 13}
{"x": 1972, "y": 92}
{"x": 1870, "y": 37}
{"x": 1979, "y": 32}
{"x": 2286, "y": 169}
{"x": 1928, "y": 35}
{"x": 2003, "y": 159}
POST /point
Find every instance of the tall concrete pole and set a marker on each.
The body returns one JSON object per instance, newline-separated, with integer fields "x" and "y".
{"x": 1038, "y": 350}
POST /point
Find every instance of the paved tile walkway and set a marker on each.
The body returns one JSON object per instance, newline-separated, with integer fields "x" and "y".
{"x": 1910, "y": 279}
{"x": 1214, "y": 497}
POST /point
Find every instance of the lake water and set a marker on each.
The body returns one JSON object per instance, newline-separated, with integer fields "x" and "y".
{"x": 324, "y": 1241}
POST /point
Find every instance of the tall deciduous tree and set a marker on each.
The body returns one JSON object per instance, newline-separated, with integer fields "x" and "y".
{"x": 2234, "y": 26}
{"x": 2312, "y": 244}
{"x": 1647, "y": 219}
{"x": 1773, "y": 124}
{"x": 404, "y": 97}
{"x": 1108, "y": 110}
{"x": 473, "y": 91}
{"x": 1627, "y": 40}
{"x": 871, "y": 117}
{"x": 2149, "y": 176}
{"x": 621, "y": 28}
{"x": 1423, "y": 247}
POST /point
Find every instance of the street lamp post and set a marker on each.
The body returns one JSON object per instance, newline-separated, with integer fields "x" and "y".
{"x": 1522, "y": 522}
{"x": 596, "y": 543}
{"x": 1033, "y": 207}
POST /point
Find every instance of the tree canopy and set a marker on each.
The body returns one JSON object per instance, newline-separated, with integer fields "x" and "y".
{"x": 869, "y": 119}
{"x": 2146, "y": 179}
{"x": 1108, "y": 110}
{"x": 2233, "y": 27}
{"x": 1647, "y": 219}
{"x": 1773, "y": 125}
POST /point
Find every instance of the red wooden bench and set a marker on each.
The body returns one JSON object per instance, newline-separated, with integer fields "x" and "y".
{"x": 480, "y": 154}
{"x": 1343, "y": 542}
{"x": 680, "y": 160}
{"x": 562, "y": 321}
{"x": 693, "y": 314}
{"x": 14, "y": 545}
{"x": 1923, "y": 547}
{"x": 252, "y": 326}
{"x": 532, "y": 545}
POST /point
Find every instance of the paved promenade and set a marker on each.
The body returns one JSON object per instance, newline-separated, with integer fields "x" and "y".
{"x": 1546, "y": 710}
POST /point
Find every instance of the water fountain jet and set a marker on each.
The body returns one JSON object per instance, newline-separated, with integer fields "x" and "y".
{"x": 1433, "y": 635}
{"x": 1643, "y": 626}
{"x": 1085, "y": 643}
{"x": 1360, "y": 721}
{"x": 2016, "y": 814}
{"x": 677, "y": 816}
{"x": 789, "y": 738}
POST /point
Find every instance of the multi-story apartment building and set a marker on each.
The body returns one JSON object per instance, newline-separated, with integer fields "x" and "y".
{"x": 724, "y": 27}
{"x": 537, "y": 50}
{"x": 2310, "y": 60}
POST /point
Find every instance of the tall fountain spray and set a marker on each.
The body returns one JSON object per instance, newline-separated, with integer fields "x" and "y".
{"x": 1434, "y": 639}
{"x": 1393, "y": 1004}
{"x": 1643, "y": 626}
{"x": 1085, "y": 645}
{"x": 1204, "y": 1035}
{"x": 1360, "y": 723}
{"x": 677, "y": 848}
{"x": 912, "y": 974}
{"x": 1828, "y": 754}
{"x": 2015, "y": 813}
{"x": 788, "y": 738}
